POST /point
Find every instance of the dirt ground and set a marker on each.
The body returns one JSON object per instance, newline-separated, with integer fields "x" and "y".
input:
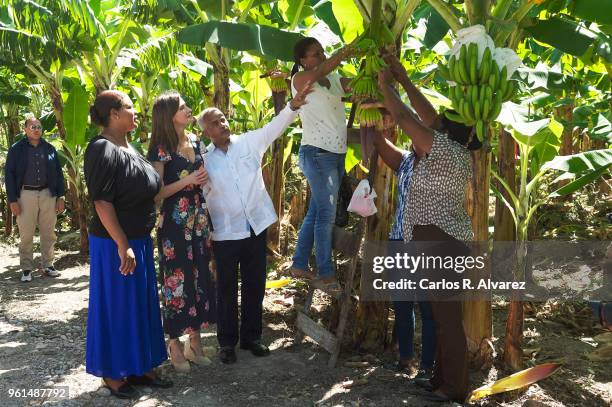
{"x": 42, "y": 345}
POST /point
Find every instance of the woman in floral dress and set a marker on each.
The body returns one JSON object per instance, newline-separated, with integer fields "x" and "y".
{"x": 188, "y": 284}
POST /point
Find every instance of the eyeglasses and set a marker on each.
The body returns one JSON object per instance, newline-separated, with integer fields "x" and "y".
{"x": 36, "y": 127}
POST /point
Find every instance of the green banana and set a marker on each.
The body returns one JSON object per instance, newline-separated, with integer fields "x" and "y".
{"x": 457, "y": 71}
{"x": 461, "y": 109}
{"x": 494, "y": 77}
{"x": 474, "y": 94}
{"x": 451, "y": 70}
{"x": 469, "y": 111}
{"x": 480, "y": 130}
{"x": 458, "y": 92}
{"x": 463, "y": 65}
{"x": 477, "y": 111}
{"x": 509, "y": 91}
{"x": 481, "y": 95}
{"x": 497, "y": 106}
{"x": 485, "y": 66}
{"x": 455, "y": 117}
{"x": 278, "y": 84}
{"x": 452, "y": 96}
{"x": 503, "y": 80}
{"x": 473, "y": 62}
{"x": 486, "y": 107}
{"x": 488, "y": 93}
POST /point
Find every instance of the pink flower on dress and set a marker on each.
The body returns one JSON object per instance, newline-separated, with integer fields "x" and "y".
{"x": 162, "y": 154}
{"x": 192, "y": 311}
{"x": 177, "y": 302}
{"x": 204, "y": 325}
{"x": 178, "y": 274}
{"x": 168, "y": 249}
{"x": 206, "y": 306}
{"x": 188, "y": 330}
{"x": 183, "y": 205}
{"x": 171, "y": 283}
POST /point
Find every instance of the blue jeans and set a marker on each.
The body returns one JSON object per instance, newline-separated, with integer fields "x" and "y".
{"x": 323, "y": 171}
{"x": 404, "y": 329}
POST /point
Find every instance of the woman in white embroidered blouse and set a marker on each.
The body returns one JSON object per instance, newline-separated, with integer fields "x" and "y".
{"x": 322, "y": 153}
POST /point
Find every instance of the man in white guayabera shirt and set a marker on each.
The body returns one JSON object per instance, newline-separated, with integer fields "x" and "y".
{"x": 241, "y": 211}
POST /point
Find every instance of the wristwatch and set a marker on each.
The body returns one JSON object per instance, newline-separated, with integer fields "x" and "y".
{"x": 292, "y": 108}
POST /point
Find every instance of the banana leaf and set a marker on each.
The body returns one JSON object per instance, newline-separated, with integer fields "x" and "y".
{"x": 268, "y": 42}
{"x": 563, "y": 34}
{"x": 76, "y": 112}
{"x": 349, "y": 19}
{"x": 578, "y": 163}
{"x": 516, "y": 381}
{"x": 597, "y": 11}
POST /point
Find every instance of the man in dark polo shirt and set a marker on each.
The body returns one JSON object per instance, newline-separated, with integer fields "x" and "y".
{"x": 35, "y": 189}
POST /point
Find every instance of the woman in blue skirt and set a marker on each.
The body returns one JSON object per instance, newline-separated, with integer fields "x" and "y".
{"x": 125, "y": 340}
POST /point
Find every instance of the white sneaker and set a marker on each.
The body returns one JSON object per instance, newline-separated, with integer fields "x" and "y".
{"x": 26, "y": 276}
{"x": 51, "y": 272}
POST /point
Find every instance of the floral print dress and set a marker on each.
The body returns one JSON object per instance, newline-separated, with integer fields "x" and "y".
{"x": 189, "y": 301}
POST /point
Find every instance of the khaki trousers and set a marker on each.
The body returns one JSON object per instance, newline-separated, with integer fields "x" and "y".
{"x": 37, "y": 208}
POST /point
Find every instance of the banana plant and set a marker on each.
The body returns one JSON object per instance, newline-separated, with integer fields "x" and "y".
{"x": 539, "y": 143}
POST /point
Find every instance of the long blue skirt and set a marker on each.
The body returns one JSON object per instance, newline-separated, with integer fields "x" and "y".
{"x": 124, "y": 329}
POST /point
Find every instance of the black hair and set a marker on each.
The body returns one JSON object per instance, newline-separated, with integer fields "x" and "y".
{"x": 299, "y": 51}
{"x": 461, "y": 133}
{"x": 107, "y": 100}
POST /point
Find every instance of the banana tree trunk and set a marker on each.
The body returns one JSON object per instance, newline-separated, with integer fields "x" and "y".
{"x": 13, "y": 130}
{"x": 370, "y": 334}
{"x": 504, "y": 230}
{"x": 221, "y": 98}
{"x": 477, "y": 316}
{"x": 276, "y": 176}
{"x": 58, "y": 110}
{"x": 566, "y": 112}
{"x": 513, "y": 353}
{"x": 514, "y": 336}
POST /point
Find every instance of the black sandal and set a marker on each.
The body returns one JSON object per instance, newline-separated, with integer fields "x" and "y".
{"x": 145, "y": 380}
{"x": 125, "y": 391}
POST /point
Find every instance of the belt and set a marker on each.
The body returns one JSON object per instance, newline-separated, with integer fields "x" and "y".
{"x": 31, "y": 188}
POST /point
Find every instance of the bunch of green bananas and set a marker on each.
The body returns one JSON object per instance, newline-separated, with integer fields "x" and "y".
{"x": 480, "y": 90}
{"x": 370, "y": 117}
{"x": 278, "y": 84}
{"x": 374, "y": 64}
{"x": 364, "y": 87}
